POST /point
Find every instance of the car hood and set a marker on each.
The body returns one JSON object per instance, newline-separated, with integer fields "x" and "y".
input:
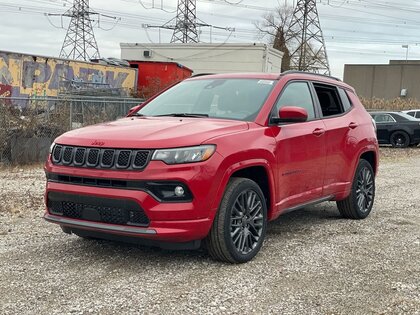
{"x": 151, "y": 132}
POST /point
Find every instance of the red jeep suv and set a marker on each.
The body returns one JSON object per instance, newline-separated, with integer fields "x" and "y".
{"x": 213, "y": 159}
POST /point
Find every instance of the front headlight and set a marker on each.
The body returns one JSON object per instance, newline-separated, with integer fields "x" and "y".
{"x": 52, "y": 147}
{"x": 184, "y": 155}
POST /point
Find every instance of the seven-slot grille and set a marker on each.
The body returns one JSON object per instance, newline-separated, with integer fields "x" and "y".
{"x": 100, "y": 158}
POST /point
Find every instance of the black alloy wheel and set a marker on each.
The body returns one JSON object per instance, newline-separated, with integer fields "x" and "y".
{"x": 364, "y": 189}
{"x": 359, "y": 203}
{"x": 400, "y": 139}
{"x": 247, "y": 221}
{"x": 240, "y": 224}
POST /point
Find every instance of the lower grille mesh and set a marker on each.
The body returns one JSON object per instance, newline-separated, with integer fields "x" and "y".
{"x": 112, "y": 211}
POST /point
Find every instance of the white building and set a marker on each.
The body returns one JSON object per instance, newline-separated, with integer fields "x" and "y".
{"x": 209, "y": 58}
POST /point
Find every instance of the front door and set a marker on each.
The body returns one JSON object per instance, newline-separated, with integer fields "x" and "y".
{"x": 300, "y": 150}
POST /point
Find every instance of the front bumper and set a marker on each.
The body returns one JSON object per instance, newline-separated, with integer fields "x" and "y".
{"x": 182, "y": 232}
{"x": 175, "y": 222}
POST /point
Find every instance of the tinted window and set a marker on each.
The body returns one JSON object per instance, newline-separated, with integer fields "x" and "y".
{"x": 345, "y": 100}
{"x": 296, "y": 94}
{"x": 384, "y": 118}
{"x": 418, "y": 114}
{"x": 411, "y": 113}
{"x": 329, "y": 100}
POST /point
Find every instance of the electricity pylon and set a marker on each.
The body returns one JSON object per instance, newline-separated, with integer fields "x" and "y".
{"x": 80, "y": 42}
{"x": 186, "y": 23}
{"x": 308, "y": 51}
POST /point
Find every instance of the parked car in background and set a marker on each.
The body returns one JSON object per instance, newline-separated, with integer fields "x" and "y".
{"x": 396, "y": 128}
{"x": 413, "y": 112}
{"x": 213, "y": 159}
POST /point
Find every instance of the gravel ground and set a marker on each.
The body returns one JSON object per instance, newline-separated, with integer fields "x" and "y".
{"x": 313, "y": 262}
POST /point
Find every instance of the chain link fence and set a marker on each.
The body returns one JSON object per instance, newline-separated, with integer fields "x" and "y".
{"x": 28, "y": 126}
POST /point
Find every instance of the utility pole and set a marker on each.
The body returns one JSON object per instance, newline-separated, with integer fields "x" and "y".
{"x": 186, "y": 23}
{"x": 80, "y": 42}
{"x": 308, "y": 51}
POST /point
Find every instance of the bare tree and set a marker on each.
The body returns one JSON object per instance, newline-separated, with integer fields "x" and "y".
{"x": 275, "y": 27}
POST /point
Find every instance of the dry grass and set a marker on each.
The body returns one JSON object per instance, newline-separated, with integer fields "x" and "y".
{"x": 396, "y": 104}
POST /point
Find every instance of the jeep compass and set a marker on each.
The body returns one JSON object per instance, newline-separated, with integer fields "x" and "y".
{"x": 211, "y": 160}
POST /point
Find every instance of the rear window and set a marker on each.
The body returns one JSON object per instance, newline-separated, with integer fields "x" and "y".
{"x": 329, "y": 100}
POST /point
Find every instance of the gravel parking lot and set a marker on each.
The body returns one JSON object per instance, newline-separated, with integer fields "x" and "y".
{"x": 313, "y": 262}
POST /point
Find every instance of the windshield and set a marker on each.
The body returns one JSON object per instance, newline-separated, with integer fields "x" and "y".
{"x": 239, "y": 99}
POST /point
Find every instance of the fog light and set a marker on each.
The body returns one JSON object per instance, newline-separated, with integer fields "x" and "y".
{"x": 179, "y": 191}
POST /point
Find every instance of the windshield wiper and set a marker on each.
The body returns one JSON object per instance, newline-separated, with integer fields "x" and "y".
{"x": 184, "y": 115}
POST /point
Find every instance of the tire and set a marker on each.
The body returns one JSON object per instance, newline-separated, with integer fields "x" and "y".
{"x": 359, "y": 203}
{"x": 240, "y": 224}
{"x": 399, "y": 139}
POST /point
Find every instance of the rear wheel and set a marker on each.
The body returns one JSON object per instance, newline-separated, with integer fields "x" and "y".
{"x": 239, "y": 227}
{"x": 400, "y": 139}
{"x": 359, "y": 203}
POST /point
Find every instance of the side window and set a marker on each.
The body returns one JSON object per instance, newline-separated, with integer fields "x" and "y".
{"x": 384, "y": 118}
{"x": 412, "y": 113}
{"x": 296, "y": 94}
{"x": 329, "y": 100}
{"x": 418, "y": 114}
{"x": 345, "y": 100}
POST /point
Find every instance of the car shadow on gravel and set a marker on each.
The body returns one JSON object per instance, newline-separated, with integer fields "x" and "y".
{"x": 290, "y": 225}
{"x": 323, "y": 214}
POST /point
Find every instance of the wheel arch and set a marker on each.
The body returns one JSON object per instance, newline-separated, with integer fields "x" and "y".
{"x": 256, "y": 170}
{"x": 372, "y": 158}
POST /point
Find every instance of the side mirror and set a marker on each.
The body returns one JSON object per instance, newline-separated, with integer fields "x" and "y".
{"x": 291, "y": 114}
{"x": 133, "y": 110}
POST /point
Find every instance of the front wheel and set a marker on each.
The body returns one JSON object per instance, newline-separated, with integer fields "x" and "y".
{"x": 240, "y": 224}
{"x": 359, "y": 203}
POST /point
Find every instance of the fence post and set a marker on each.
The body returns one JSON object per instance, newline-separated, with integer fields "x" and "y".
{"x": 71, "y": 114}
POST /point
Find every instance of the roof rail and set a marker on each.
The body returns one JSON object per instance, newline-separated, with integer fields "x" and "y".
{"x": 311, "y": 73}
{"x": 200, "y": 75}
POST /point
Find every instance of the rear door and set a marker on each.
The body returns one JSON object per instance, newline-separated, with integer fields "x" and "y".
{"x": 300, "y": 149}
{"x": 341, "y": 124}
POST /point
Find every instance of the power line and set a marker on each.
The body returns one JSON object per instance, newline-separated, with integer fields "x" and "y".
{"x": 333, "y": 35}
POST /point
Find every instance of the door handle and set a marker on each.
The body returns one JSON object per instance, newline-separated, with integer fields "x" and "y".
{"x": 318, "y": 132}
{"x": 353, "y": 125}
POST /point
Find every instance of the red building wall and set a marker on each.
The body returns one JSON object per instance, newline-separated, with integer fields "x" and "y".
{"x": 156, "y": 76}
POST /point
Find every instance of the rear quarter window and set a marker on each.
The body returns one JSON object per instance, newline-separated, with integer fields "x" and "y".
{"x": 345, "y": 100}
